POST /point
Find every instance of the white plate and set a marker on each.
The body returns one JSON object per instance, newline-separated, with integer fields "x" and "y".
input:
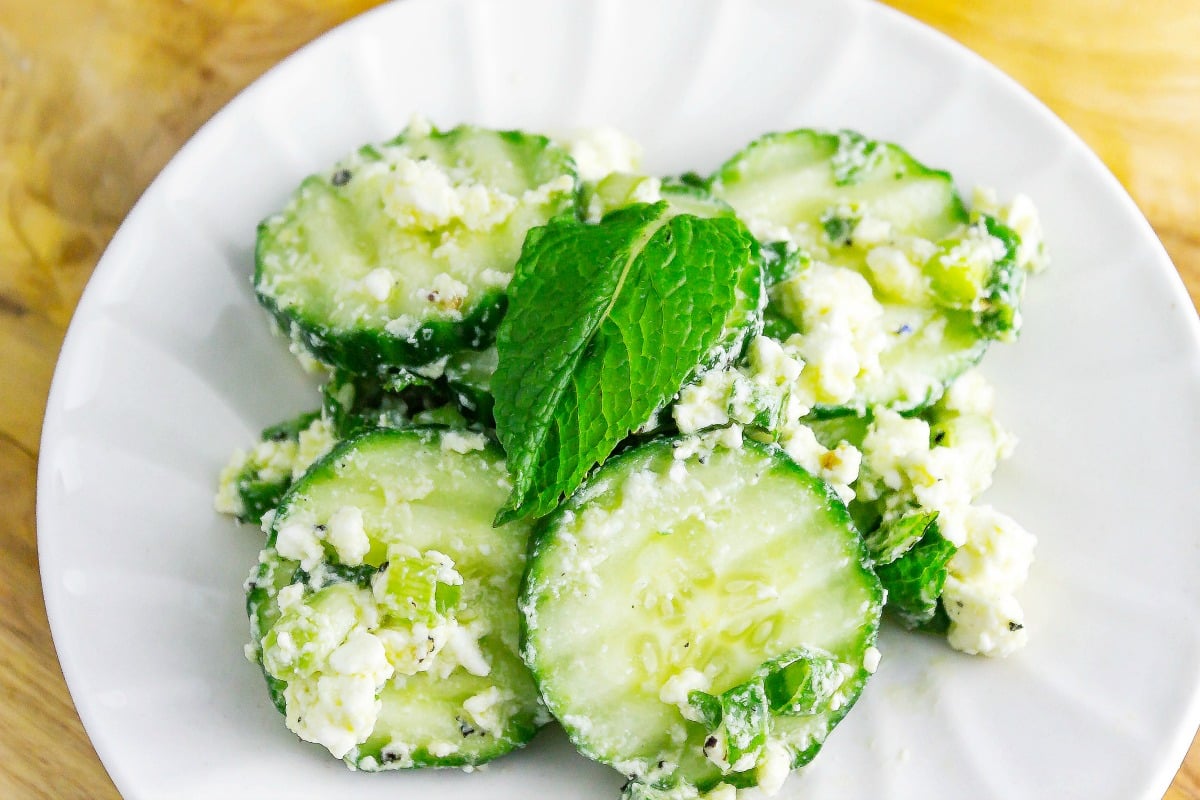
{"x": 169, "y": 365}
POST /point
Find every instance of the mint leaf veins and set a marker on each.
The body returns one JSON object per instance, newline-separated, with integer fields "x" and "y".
{"x": 605, "y": 323}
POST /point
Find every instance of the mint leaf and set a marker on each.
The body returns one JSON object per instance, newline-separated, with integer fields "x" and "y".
{"x": 745, "y": 716}
{"x": 898, "y": 535}
{"x": 605, "y": 323}
{"x": 915, "y": 580}
{"x": 801, "y": 682}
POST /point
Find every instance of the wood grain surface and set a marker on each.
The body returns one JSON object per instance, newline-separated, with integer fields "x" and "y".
{"x": 96, "y": 95}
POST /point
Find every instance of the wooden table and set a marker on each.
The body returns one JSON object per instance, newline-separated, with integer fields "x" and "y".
{"x": 96, "y": 95}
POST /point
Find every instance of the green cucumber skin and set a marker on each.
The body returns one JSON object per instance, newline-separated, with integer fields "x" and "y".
{"x": 374, "y": 350}
{"x": 973, "y": 335}
{"x": 275, "y": 572}
{"x": 545, "y": 538}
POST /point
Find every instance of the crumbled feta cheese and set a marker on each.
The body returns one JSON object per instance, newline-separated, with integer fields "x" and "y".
{"x": 766, "y": 231}
{"x": 774, "y": 765}
{"x": 463, "y": 441}
{"x": 496, "y": 278}
{"x": 871, "y": 231}
{"x": 272, "y": 461}
{"x": 362, "y": 653}
{"x": 378, "y": 283}
{"x": 546, "y": 192}
{"x": 843, "y": 328}
{"x": 345, "y": 532}
{"x": 730, "y": 438}
{"x": 894, "y": 443}
{"x": 422, "y": 194}
{"x": 970, "y": 394}
{"x": 298, "y": 541}
{"x": 446, "y": 573}
{"x": 896, "y": 276}
{"x": 704, "y": 403}
{"x": 442, "y": 749}
{"x": 677, "y": 688}
{"x": 771, "y": 365}
{"x": 228, "y": 500}
{"x": 314, "y": 441}
{"x": 333, "y": 666}
{"x": 434, "y": 369}
{"x": 648, "y": 190}
{"x": 701, "y": 445}
{"x": 337, "y": 711}
{"x": 445, "y": 293}
{"x": 398, "y": 753}
{"x": 290, "y": 596}
{"x": 413, "y": 650}
{"x": 722, "y": 791}
{"x": 871, "y": 659}
{"x": 997, "y": 553}
{"x": 601, "y": 151}
{"x": 463, "y": 648}
{"x": 486, "y": 709}
{"x": 404, "y": 326}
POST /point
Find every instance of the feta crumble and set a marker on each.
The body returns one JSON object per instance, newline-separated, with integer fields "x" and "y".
{"x": 463, "y": 441}
{"x": 601, "y": 151}
{"x": 843, "y": 329}
{"x": 484, "y": 709}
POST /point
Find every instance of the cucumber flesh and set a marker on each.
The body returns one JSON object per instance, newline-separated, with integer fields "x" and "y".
{"x": 383, "y": 609}
{"x": 401, "y": 253}
{"x": 668, "y": 578}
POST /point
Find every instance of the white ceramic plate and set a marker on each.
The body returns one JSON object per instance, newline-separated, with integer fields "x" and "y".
{"x": 169, "y": 365}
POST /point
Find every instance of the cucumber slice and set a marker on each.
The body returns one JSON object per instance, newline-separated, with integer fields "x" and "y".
{"x": 794, "y": 179}
{"x": 670, "y": 578}
{"x": 384, "y": 608}
{"x": 401, "y": 253}
{"x": 944, "y": 284}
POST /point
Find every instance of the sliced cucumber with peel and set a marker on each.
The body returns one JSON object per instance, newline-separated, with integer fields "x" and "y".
{"x": 389, "y": 541}
{"x": 793, "y": 179}
{"x": 816, "y": 187}
{"x": 663, "y": 599}
{"x": 400, "y": 254}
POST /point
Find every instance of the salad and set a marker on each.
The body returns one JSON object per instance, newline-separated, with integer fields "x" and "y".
{"x": 654, "y": 457}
